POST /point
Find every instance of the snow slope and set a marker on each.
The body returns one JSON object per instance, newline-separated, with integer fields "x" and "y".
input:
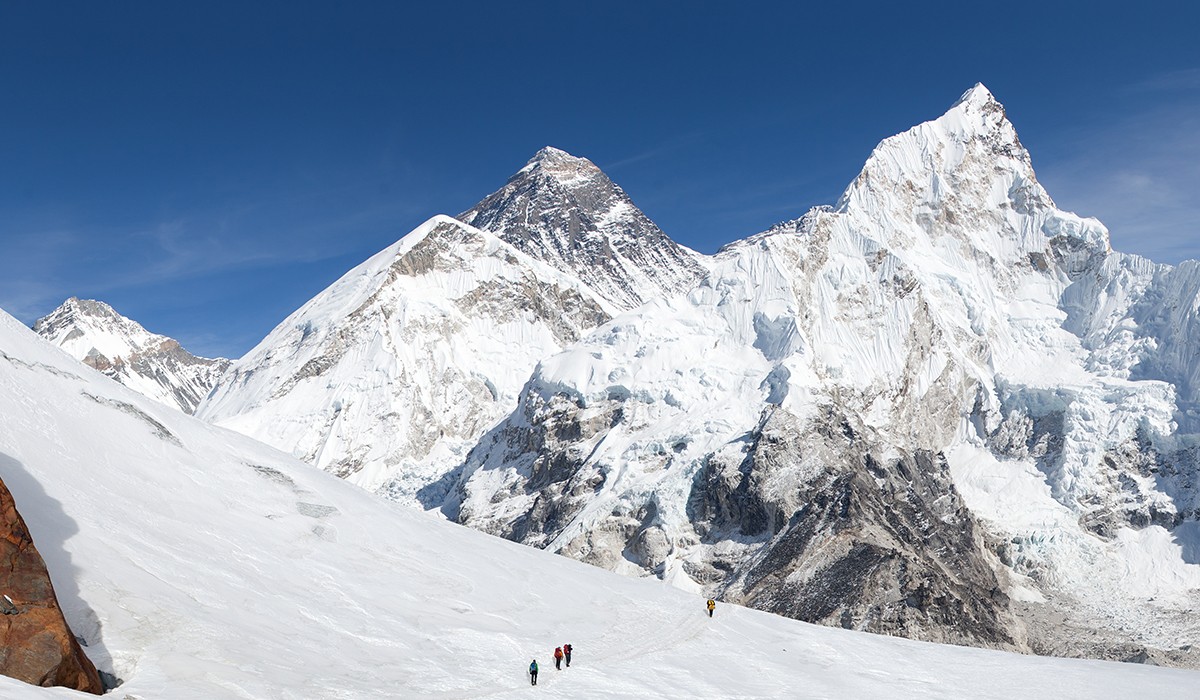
{"x": 199, "y": 564}
{"x": 388, "y": 377}
{"x": 150, "y": 364}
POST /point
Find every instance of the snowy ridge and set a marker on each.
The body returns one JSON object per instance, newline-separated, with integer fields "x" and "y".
{"x": 944, "y": 317}
{"x": 565, "y": 211}
{"x": 151, "y": 364}
{"x": 196, "y": 564}
{"x": 390, "y": 375}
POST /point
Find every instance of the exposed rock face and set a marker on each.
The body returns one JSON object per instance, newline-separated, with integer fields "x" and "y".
{"x": 36, "y": 646}
{"x": 565, "y": 211}
{"x": 153, "y": 365}
{"x": 866, "y": 540}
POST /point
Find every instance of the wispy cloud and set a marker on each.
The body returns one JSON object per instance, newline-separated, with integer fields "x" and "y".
{"x": 1187, "y": 79}
{"x": 1139, "y": 170}
{"x": 42, "y": 267}
{"x": 672, "y": 144}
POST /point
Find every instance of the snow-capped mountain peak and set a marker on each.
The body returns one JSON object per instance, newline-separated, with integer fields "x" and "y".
{"x": 968, "y": 161}
{"x": 149, "y": 363}
{"x": 565, "y": 211}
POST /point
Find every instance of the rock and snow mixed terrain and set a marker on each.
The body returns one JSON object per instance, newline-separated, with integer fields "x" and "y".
{"x": 942, "y": 408}
{"x": 150, "y": 364}
{"x": 196, "y": 563}
{"x": 564, "y": 211}
{"x": 389, "y": 376}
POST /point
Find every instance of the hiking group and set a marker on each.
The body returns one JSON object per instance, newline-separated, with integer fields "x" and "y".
{"x": 564, "y": 652}
{"x": 560, "y": 653}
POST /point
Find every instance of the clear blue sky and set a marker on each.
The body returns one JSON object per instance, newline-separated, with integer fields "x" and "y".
{"x": 208, "y": 167}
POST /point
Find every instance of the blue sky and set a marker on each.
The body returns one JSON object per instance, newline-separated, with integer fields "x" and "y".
{"x": 207, "y": 168}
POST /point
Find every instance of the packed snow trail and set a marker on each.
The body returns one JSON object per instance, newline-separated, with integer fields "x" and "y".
{"x": 198, "y": 564}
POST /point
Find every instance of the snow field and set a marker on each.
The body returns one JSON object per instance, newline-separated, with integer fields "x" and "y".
{"x": 198, "y": 563}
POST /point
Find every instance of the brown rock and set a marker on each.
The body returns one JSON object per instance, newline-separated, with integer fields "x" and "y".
{"x": 36, "y": 646}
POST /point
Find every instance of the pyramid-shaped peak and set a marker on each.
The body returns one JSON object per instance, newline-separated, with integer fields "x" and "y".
{"x": 551, "y": 153}
{"x": 75, "y": 307}
{"x": 977, "y": 95}
{"x": 561, "y": 209}
{"x": 972, "y": 142}
{"x": 560, "y": 165}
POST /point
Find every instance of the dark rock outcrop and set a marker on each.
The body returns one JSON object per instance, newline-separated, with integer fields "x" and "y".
{"x": 565, "y": 211}
{"x": 36, "y": 645}
{"x": 863, "y": 541}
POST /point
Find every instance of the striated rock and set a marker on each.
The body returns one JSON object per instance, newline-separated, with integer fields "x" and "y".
{"x": 565, "y": 211}
{"x": 882, "y": 543}
{"x": 36, "y": 646}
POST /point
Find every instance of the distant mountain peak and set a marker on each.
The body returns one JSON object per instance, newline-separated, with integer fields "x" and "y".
{"x": 88, "y": 307}
{"x": 565, "y": 211}
{"x": 154, "y": 365}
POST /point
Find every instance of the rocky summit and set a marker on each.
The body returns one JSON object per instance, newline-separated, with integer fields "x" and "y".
{"x": 565, "y": 211}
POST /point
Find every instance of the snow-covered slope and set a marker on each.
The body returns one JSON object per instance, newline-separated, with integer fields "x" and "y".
{"x": 199, "y": 564}
{"x": 150, "y": 364}
{"x": 943, "y": 408}
{"x": 388, "y": 377}
{"x": 565, "y": 211}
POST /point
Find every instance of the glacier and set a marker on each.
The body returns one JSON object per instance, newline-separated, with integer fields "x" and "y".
{"x": 196, "y": 563}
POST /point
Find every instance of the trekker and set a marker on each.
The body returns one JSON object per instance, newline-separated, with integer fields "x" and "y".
{"x": 558, "y": 657}
{"x": 711, "y": 604}
{"x": 567, "y": 654}
{"x": 533, "y": 672}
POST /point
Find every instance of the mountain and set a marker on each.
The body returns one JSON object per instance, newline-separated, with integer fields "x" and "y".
{"x": 391, "y": 374}
{"x": 565, "y": 211}
{"x": 153, "y": 365}
{"x": 196, "y": 563}
{"x": 942, "y": 408}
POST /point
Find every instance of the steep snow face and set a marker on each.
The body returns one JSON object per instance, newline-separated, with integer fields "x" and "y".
{"x": 565, "y": 211}
{"x": 1139, "y": 319}
{"x": 196, "y": 563}
{"x": 801, "y": 424}
{"x": 150, "y": 364}
{"x": 388, "y": 377}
